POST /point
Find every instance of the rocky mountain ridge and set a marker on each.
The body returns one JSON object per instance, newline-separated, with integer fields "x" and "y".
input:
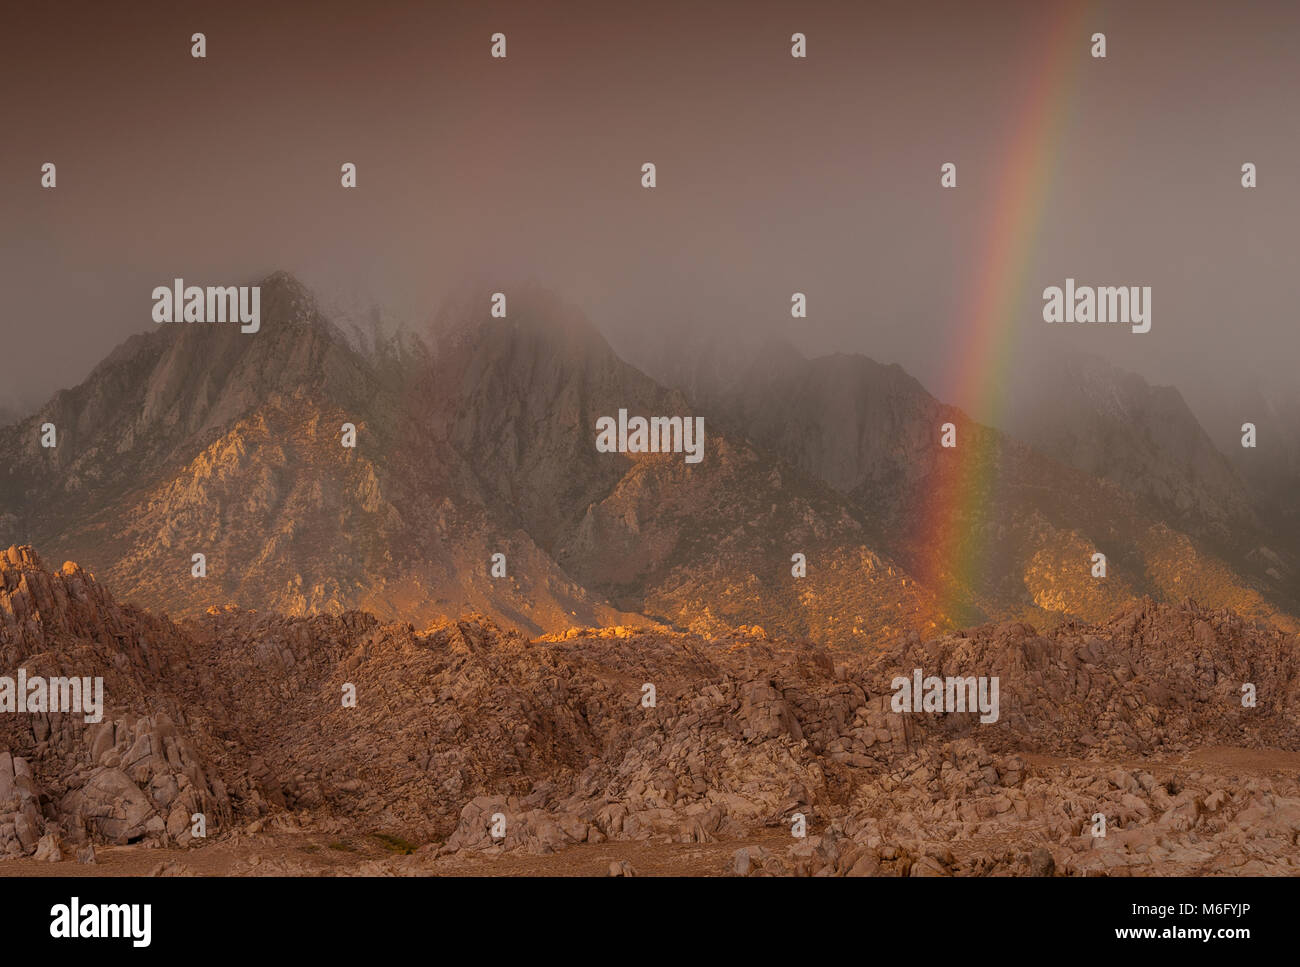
{"x": 240, "y": 716}
{"x": 192, "y": 440}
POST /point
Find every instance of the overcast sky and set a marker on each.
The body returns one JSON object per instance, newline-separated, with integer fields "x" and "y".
{"x": 775, "y": 175}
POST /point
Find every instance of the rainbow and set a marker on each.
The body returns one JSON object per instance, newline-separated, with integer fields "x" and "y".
{"x": 953, "y": 554}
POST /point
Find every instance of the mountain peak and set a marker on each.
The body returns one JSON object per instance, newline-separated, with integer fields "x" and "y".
{"x": 21, "y": 557}
{"x": 1090, "y": 414}
{"x": 535, "y": 317}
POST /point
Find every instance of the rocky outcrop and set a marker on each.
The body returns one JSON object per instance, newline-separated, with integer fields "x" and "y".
{"x": 133, "y": 775}
{"x": 464, "y": 740}
{"x": 964, "y": 812}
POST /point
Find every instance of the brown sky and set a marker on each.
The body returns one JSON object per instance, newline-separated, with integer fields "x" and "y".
{"x": 775, "y": 175}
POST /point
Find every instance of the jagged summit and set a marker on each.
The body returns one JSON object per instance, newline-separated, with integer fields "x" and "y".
{"x": 1028, "y": 514}
{"x": 226, "y": 444}
{"x": 201, "y": 440}
{"x": 23, "y": 556}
